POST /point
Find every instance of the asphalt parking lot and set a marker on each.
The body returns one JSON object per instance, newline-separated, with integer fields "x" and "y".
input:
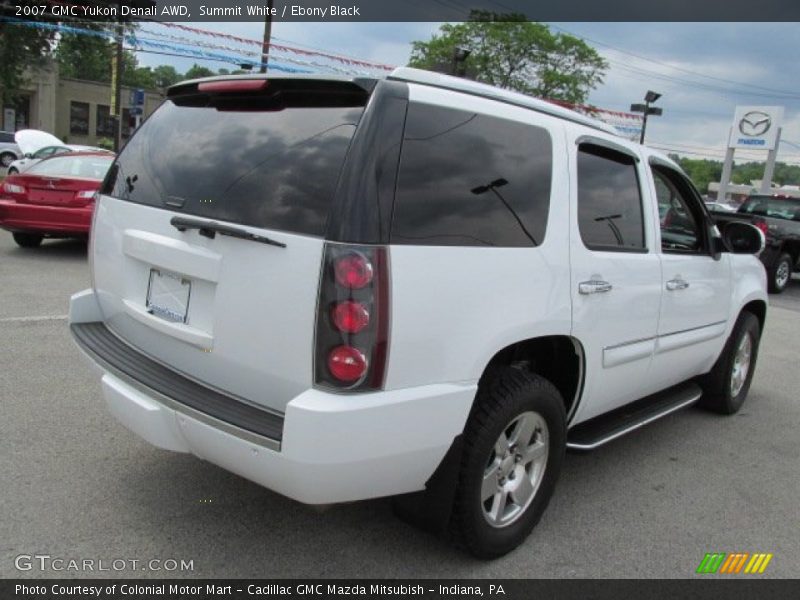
{"x": 75, "y": 484}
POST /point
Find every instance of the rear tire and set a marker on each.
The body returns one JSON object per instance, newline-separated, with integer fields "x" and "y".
{"x": 514, "y": 445}
{"x": 7, "y": 158}
{"x": 726, "y": 386}
{"x": 28, "y": 240}
{"x": 780, "y": 274}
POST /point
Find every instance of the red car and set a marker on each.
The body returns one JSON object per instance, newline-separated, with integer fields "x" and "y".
{"x": 54, "y": 198}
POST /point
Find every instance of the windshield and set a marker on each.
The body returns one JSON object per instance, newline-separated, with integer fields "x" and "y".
{"x": 83, "y": 167}
{"x": 770, "y": 206}
{"x": 243, "y": 163}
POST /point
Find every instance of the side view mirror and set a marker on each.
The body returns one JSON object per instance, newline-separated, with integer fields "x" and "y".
{"x": 743, "y": 238}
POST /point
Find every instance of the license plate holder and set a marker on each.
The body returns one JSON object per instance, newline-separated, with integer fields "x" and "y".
{"x": 168, "y": 295}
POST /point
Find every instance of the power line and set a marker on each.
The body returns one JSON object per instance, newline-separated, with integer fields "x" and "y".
{"x": 676, "y": 68}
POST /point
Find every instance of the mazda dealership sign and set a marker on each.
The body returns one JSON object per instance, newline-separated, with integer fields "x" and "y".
{"x": 755, "y": 127}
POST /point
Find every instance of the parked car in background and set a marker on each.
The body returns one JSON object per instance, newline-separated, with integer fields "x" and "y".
{"x": 9, "y": 150}
{"x": 720, "y": 207}
{"x": 25, "y": 163}
{"x": 54, "y": 198}
{"x": 778, "y": 218}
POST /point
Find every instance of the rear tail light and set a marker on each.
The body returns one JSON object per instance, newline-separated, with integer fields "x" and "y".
{"x": 12, "y": 188}
{"x": 352, "y": 318}
{"x": 353, "y": 270}
{"x": 762, "y": 225}
{"x": 86, "y": 195}
{"x": 347, "y": 364}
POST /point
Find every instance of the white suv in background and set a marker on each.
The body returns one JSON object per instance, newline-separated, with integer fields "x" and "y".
{"x": 419, "y": 287}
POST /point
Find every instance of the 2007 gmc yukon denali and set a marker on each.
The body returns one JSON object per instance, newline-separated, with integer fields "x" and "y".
{"x": 419, "y": 287}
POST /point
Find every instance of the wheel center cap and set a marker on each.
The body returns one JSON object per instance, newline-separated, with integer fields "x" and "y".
{"x": 507, "y": 465}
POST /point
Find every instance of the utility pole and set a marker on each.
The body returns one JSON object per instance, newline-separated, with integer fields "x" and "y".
{"x": 267, "y": 36}
{"x": 116, "y": 82}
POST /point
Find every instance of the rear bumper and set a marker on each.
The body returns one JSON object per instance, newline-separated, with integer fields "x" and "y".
{"x": 45, "y": 219}
{"x": 327, "y": 448}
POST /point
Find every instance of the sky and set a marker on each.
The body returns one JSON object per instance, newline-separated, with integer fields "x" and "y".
{"x": 702, "y": 70}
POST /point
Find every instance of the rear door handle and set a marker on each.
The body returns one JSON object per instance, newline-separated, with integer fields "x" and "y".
{"x": 677, "y": 284}
{"x": 594, "y": 286}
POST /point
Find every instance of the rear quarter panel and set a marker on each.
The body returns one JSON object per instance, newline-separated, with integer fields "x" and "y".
{"x": 453, "y": 308}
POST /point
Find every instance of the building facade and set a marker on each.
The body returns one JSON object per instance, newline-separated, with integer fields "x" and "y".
{"x": 75, "y": 111}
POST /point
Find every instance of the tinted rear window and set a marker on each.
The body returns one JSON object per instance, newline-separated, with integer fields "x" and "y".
{"x": 6, "y": 138}
{"x": 776, "y": 208}
{"x": 471, "y": 180}
{"x": 256, "y": 164}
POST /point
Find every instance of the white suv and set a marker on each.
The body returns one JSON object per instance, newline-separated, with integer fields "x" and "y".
{"x": 419, "y": 287}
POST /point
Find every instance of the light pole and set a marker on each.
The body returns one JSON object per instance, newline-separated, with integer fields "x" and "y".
{"x": 645, "y": 108}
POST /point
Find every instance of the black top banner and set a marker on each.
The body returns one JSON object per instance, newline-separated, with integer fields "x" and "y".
{"x": 406, "y": 10}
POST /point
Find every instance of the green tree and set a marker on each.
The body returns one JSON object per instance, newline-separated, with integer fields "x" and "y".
{"x": 83, "y": 56}
{"x": 20, "y": 47}
{"x": 165, "y": 76}
{"x": 509, "y": 52}
{"x": 197, "y": 71}
{"x": 701, "y": 172}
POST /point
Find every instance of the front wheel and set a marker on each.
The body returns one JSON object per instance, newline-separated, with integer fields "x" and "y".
{"x": 7, "y": 158}
{"x": 28, "y": 240}
{"x": 726, "y": 386}
{"x": 780, "y": 274}
{"x": 514, "y": 445}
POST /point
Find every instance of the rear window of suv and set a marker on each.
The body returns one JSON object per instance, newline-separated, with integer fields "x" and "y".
{"x": 255, "y": 161}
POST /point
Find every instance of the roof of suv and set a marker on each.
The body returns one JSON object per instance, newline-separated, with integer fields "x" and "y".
{"x": 422, "y": 77}
{"x": 474, "y": 88}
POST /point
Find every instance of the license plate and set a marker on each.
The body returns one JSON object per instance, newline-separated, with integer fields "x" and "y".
{"x": 168, "y": 295}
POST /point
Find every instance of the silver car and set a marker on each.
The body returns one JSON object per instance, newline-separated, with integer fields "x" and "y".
{"x": 9, "y": 151}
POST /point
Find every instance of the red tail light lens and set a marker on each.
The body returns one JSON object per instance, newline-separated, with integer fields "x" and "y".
{"x": 352, "y": 333}
{"x": 353, "y": 270}
{"x": 762, "y": 225}
{"x": 350, "y": 316}
{"x": 13, "y": 188}
{"x": 347, "y": 364}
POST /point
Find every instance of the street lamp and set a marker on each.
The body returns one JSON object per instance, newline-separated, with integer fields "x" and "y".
{"x": 645, "y": 108}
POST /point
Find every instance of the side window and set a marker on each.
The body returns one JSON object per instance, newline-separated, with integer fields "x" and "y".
{"x": 679, "y": 215}
{"x": 44, "y": 152}
{"x": 609, "y": 200}
{"x": 468, "y": 179}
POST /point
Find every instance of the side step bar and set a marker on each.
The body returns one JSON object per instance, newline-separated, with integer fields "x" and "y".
{"x": 601, "y": 430}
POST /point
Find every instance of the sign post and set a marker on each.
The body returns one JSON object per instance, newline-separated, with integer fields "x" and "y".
{"x": 754, "y": 128}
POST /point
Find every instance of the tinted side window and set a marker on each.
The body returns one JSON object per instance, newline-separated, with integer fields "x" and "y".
{"x": 609, "y": 200}
{"x": 471, "y": 180}
{"x": 6, "y": 138}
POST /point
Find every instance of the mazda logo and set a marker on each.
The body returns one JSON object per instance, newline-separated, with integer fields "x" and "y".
{"x": 755, "y": 123}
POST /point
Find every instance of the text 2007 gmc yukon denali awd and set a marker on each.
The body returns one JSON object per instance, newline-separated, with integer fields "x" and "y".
{"x": 420, "y": 287}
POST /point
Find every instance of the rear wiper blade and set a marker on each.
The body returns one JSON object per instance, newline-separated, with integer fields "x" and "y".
{"x": 210, "y": 229}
